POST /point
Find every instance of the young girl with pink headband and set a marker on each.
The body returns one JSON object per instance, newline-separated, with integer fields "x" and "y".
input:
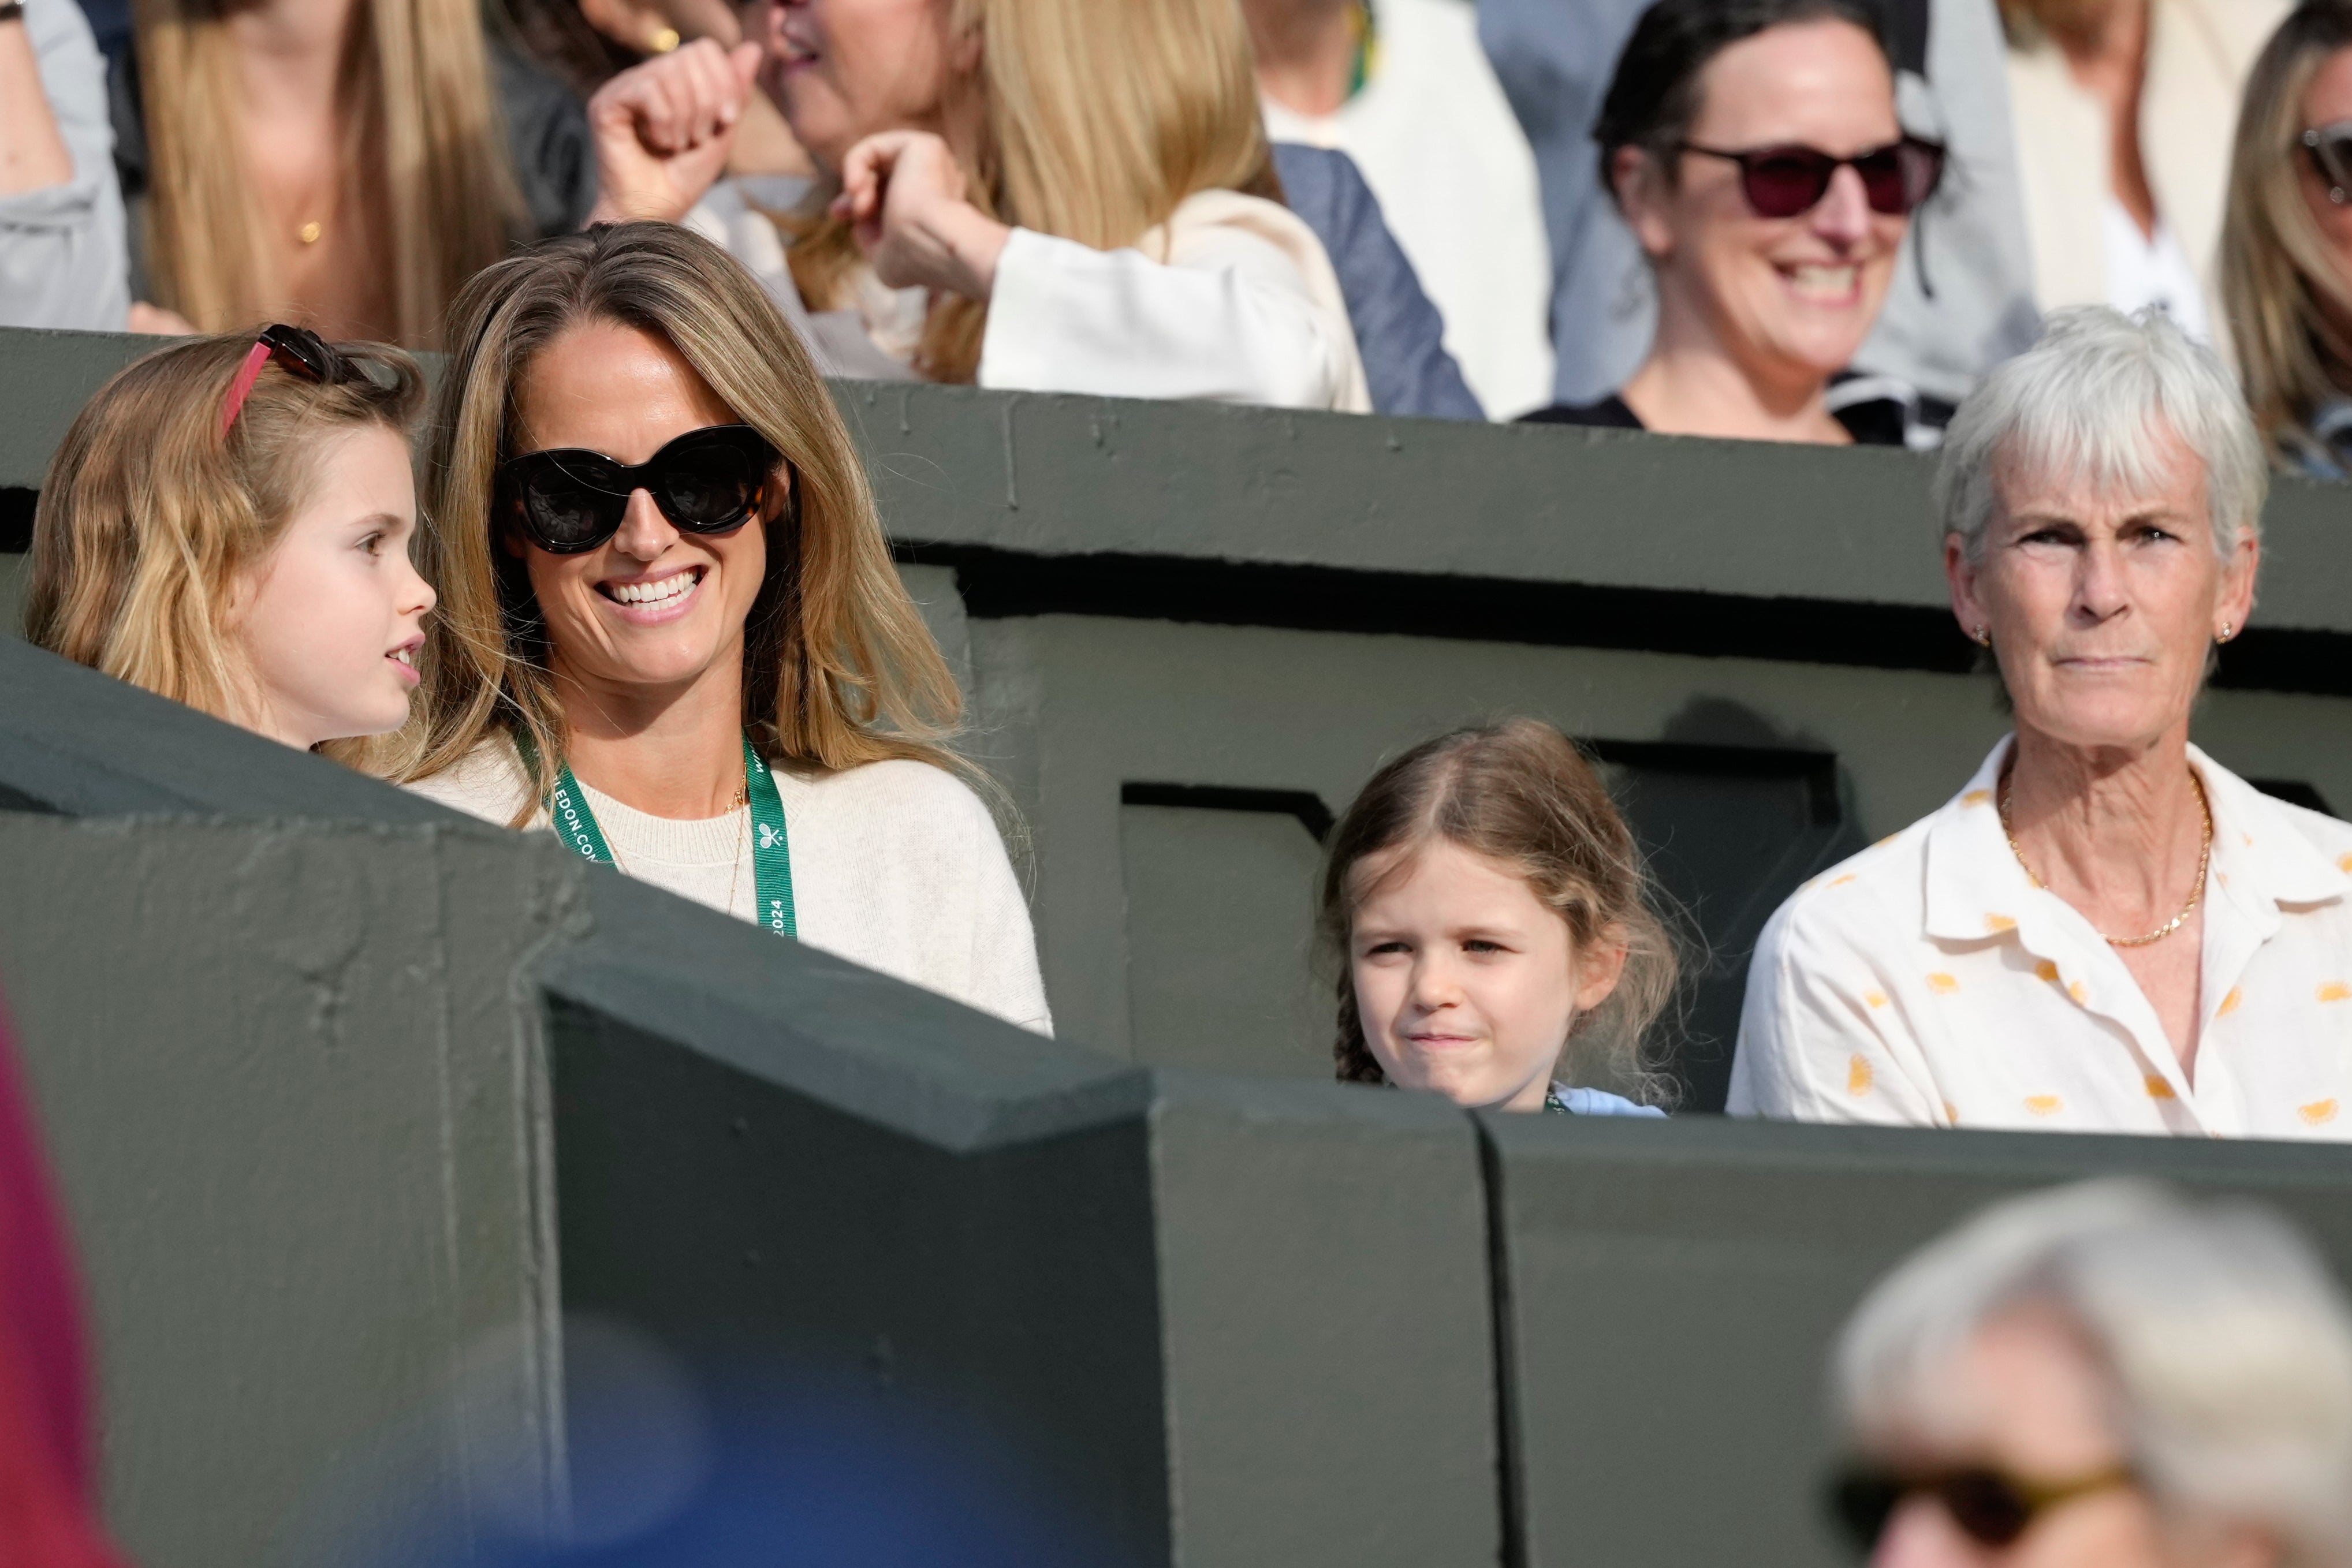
{"x": 228, "y": 523}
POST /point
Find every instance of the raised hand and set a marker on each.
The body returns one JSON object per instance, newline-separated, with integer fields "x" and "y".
{"x": 664, "y": 128}
{"x": 905, "y": 196}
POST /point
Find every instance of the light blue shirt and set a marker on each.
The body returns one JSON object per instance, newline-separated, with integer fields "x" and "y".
{"x": 1600, "y": 1103}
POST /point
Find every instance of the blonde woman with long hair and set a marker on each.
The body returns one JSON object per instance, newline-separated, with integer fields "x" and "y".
{"x": 342, "y": 164}
{"x": 2286, "y": 245}
{"x": 1069, "y": 195}
{"x": 227, "y": 524}
{"x": 671, "y": 628}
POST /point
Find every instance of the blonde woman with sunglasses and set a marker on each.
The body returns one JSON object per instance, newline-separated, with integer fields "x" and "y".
{"x": 671, "y": 629}
{"x": 2286, "y": 244}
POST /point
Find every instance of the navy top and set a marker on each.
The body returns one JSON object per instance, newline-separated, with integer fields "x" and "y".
{"x": 1399, "y": 332}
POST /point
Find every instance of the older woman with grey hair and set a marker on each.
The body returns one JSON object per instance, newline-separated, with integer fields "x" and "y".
{"x": 2104, "y": 930}
{"x": 2102, "y": 1376}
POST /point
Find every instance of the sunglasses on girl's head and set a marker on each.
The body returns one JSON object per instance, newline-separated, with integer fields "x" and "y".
{"x": 708, "y": 481}
{"x": 295, "y": 349}
{"x": 2330, "y": 148}
{"x": 1991, "y": 1507}
{"x": 1785, "y": 182}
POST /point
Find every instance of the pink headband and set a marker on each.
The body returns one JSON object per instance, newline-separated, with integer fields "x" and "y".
{"x": 242, "y": 388}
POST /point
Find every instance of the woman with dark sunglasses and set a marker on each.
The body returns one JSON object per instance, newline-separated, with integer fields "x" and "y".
{"x": 1755, "y": 151}
{"x": 2100, "y": 1377}
{"x": 2286, "y": 240}
{"x": 671, "y": 629}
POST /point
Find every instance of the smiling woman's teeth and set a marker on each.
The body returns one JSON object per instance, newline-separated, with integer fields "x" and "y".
{"x": 668, "y": 590}
{"x": 1825, "y": 282}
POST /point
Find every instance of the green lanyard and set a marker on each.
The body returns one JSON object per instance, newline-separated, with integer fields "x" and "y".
{"x": 771, "y": 855}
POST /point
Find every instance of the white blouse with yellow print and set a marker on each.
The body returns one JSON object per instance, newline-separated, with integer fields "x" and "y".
{"x": 1928, "y": 982}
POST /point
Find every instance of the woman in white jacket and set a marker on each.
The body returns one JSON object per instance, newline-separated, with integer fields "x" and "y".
{"x": 1051, "y": 195}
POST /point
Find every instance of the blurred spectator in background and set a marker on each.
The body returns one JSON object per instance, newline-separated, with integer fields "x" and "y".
{"x": 1756, "y": 153}
{"x": 1404, "y": 88}
{"x": 1399, "y": 333}
{"x": 2107, "y": 1375}
{"x": 2119, "y": 105}
{"x": 61, "y": 228}
{"x": 48, "y": 1452}
{"x": 2106, "y": 930}
{"x": 339, "y": 165}
{"x": 1497, "y": 933}
{"x": 583, "y": 43}
{"x": 1963, "y": 300}
{"x": 1063, "y": 196}
{"x": 2286, "y": 246}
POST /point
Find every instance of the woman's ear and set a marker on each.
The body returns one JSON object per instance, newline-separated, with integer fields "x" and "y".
{"x": 1639, "y": 185}
{"x": 1599, "y": 967}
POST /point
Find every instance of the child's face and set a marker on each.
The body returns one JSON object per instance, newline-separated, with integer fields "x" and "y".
{"x": 333, "y": 618}
{"x": 1466, "y": 981}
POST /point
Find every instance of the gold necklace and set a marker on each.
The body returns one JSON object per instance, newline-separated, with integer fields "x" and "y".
{"x": 742, "y": 807}
{"x": 2196, "y": 894}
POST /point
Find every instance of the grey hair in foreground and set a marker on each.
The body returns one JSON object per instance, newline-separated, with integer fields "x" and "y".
{"x": 2227, "y": 1350}
{"x": 2092, "y": 400}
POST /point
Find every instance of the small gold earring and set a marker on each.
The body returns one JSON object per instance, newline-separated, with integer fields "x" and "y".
{"x": 2228, "y": 631}
{"x": 1984, "y": 636}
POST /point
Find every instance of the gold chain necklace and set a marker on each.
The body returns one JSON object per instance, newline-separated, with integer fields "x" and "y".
{"x": 2196, "y": 894}
{"x": 742, "y": 813}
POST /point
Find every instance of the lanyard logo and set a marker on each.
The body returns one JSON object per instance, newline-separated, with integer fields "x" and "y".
{"x": 769, "y": 836}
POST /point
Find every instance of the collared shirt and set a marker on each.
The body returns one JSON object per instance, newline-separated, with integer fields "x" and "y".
{"x": 1928, "y": 982}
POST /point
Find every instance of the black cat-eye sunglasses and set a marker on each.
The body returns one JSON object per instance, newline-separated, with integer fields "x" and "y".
{"x": 708, "y": 481}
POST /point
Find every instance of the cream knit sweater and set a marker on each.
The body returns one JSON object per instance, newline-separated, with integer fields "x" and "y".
{"x": 896, "y": 866}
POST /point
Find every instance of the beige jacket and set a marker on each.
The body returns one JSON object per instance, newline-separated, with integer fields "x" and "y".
{"x": 2199, "y": 52}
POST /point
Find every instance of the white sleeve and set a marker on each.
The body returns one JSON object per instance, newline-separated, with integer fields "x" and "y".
{"x": 1230, "y": 317}
{"x": 1821, "y": 1033}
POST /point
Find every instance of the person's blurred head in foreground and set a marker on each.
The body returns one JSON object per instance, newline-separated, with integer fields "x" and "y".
{"x": 1494, "y": 918}
{"x": 1754, "y": 149}
{"x": 2102, "y": 1376}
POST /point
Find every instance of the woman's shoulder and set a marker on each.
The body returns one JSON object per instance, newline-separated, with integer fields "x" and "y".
{"x": 487, "y": 783}
{"x": 918, "y": 797}
{"x": 1852, "y": 900}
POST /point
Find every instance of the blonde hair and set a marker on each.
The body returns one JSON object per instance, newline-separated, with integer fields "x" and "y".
{"x": 838, "y": 667}
{"x": 424, "y": 164}
{"x": 2280, "y": 277}
{"x": 1097, "y": 119}
{"x": 1521, "y": 792}
{"x": 150, "y": 515}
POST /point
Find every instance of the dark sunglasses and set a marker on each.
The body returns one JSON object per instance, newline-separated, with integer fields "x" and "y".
{"x": 1991, "y": 1508}
{"x": 708, "y": 481}
{"x": 2330, "y": 149}
{"x": 1784, "y": 181}
{"x": 295, "y": 349}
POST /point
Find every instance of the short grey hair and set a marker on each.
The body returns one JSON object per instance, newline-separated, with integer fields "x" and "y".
{"x": 2092, "y": 398}
{"x": 2227, "y": 1349}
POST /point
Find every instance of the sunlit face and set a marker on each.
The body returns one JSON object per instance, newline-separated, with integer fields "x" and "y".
{"x": 2328, "y": 102}
{"x": 1788, "y": 299}
{"x": 1466, "y": 982}
{"x": 2102, "y": 606}
{"x": 330, "y": 620}
{"x": 844, "y": 70}
{"x": 2025, "y": 1397}
{"x": 652, "y": 609}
